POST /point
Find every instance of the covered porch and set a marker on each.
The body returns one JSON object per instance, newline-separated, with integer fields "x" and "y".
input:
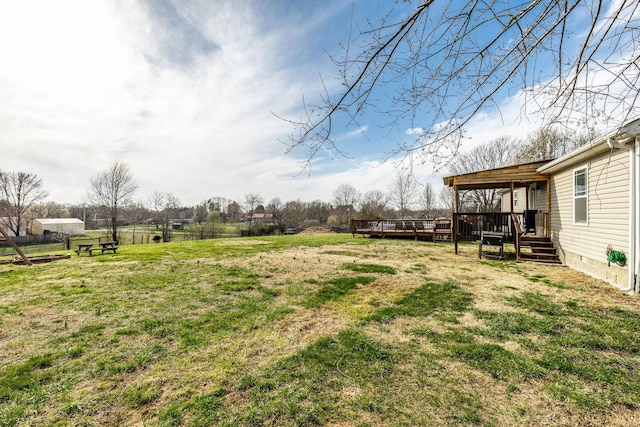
{"x": 513, "y": 223}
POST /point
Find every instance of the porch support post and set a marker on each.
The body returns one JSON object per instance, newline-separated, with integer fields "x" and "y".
{"x": 511, "y": 196}
{"x": 547, "y": 228}
{"x": 453, "y": 219}
{"x": 513, "y": 228}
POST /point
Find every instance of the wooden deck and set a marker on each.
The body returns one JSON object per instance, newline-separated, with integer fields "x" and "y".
{"x": 435, "y": 230}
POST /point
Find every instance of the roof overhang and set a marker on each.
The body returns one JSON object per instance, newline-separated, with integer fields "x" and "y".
{"x": 505, "y": 177}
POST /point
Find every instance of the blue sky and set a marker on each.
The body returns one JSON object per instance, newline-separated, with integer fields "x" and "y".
{"x": 183, "y": 92}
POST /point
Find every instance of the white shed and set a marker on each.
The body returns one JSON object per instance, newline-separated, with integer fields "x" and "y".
{"x": 71, "y": 226}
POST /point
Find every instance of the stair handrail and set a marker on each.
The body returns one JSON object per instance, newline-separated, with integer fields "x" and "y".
{"x": 518, "y": 231}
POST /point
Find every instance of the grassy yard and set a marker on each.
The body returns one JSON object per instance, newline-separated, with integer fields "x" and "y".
{"x": 313, "y": 330}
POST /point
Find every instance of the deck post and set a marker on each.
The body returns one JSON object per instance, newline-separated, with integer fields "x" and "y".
{"x": 454, "y": 226}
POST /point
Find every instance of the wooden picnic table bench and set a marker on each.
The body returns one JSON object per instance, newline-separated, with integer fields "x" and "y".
{"x": 108, "y": 246}
{"x": 86, "y": 248}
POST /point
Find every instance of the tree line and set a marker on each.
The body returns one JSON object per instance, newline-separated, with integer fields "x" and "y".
{"x": 111, "y": 204}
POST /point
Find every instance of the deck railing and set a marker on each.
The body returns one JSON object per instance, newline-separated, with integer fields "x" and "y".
{"x": 438, "y": 229}
{"x": 469, "y": 226}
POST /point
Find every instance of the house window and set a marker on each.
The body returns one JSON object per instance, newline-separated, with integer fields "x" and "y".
{"x": 580, "y": 195}
{"x": 515, "y": 198}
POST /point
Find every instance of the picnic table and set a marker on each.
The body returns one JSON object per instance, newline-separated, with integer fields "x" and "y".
{"x": 88, "y": 248}
{"x": 108, "y": 246}
{"x": 85, "y": 248}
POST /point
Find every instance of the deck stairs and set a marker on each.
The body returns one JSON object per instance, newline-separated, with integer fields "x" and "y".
{"x": 538, "y": 249}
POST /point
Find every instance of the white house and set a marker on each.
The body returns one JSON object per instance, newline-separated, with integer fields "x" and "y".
{"x": 70, "y": 226}
{"x": 585, "y": 203}
{"x": 594, "y": 192}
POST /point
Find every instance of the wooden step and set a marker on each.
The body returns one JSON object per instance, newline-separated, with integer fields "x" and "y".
{"x": 541, "y": 249}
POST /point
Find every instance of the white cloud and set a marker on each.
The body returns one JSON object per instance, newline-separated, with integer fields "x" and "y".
{"x": 88, "y": 83}
{"x": 414, "y": 131}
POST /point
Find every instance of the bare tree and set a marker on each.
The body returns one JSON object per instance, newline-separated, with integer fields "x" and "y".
{"x": 111, "y": 190}
{"x": 233, "y": 211}
{"x": 251, "y": 202}
{"x": 447, "y": 200}
{"x": 51, "y": 210}
{"x": 550, "y": 143}
{"x": 374, "y": 205}
{"x": 164, "y": 205}
{"x": 317, "y": 212}
{"x": 428, "y": 200}
{"x": 19, "y": 193}
{"x": 494, "y": 154}
{"x": 293, "y": 214}
{"x": 275, "y": 209}
{"x": 402, "y": 192}
{"x": 345, "y": 198}
{"x": 346, "y": 195}
{"x": 442, "y": 63}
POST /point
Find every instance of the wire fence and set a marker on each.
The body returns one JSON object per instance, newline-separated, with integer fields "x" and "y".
{"x": 33, "y": 249}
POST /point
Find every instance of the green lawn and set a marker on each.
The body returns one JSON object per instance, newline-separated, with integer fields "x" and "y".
{"x": 313, "y": 330}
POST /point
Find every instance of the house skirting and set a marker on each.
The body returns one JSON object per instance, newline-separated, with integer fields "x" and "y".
{"x": 610, "y": 273}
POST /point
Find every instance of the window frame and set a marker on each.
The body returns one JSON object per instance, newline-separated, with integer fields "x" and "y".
{"x": 585, "y": 196}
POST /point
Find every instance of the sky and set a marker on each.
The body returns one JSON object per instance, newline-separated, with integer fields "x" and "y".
{"x": 189, "y": 95}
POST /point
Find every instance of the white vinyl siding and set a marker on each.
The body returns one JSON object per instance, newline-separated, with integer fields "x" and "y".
{"x": 607, "y": 211}
{"x": 537, "y": 199}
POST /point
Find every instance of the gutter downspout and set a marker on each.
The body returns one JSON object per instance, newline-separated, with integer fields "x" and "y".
{"x": 633, "y": 275}
{"x": 631, "y": 265}
{"x": 634, "y": 188}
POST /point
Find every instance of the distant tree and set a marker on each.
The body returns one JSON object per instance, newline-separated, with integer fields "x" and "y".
{"x": 293, "y": 214}
{"x": 428, "y": 200}
{"x": 551, "y": 143}
{"x": 233, "y": 211}
{"x": 275, "y": 209}
{"x": 318, "y": 211}
{"x": 374, "y": 205}
{"x": 51, "y": 210}
{"x": 346, "y": 195}
{"x": 447, "y": 201}
{"x": 20, "y": 192}
{"x": 251, "y": 202}
{"x": 165, "y": 206}
{"x": 136, "y": 213}
{"x": 111, "y": 190}
{"x": 218, "y": 204}
{"x": 200, "y": 213}
{"x": 213, "y": 227}
{"x": 88, "y": 214}
{"x": 402, "y": 192}
{"x": 345, "y": 199}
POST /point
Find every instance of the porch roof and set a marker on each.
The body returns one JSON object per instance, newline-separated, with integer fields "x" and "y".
{"x": 505, "y": 177}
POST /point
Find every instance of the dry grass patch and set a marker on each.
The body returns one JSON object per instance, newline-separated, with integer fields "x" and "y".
{"x": 313, "y": 330}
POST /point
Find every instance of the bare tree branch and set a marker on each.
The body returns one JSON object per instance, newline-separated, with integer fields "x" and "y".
{"x": 446, "y": 63}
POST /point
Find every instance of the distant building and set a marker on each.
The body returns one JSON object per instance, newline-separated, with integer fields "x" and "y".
{"x": 70, "y": 226}
{"x": 264, "y": 218}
